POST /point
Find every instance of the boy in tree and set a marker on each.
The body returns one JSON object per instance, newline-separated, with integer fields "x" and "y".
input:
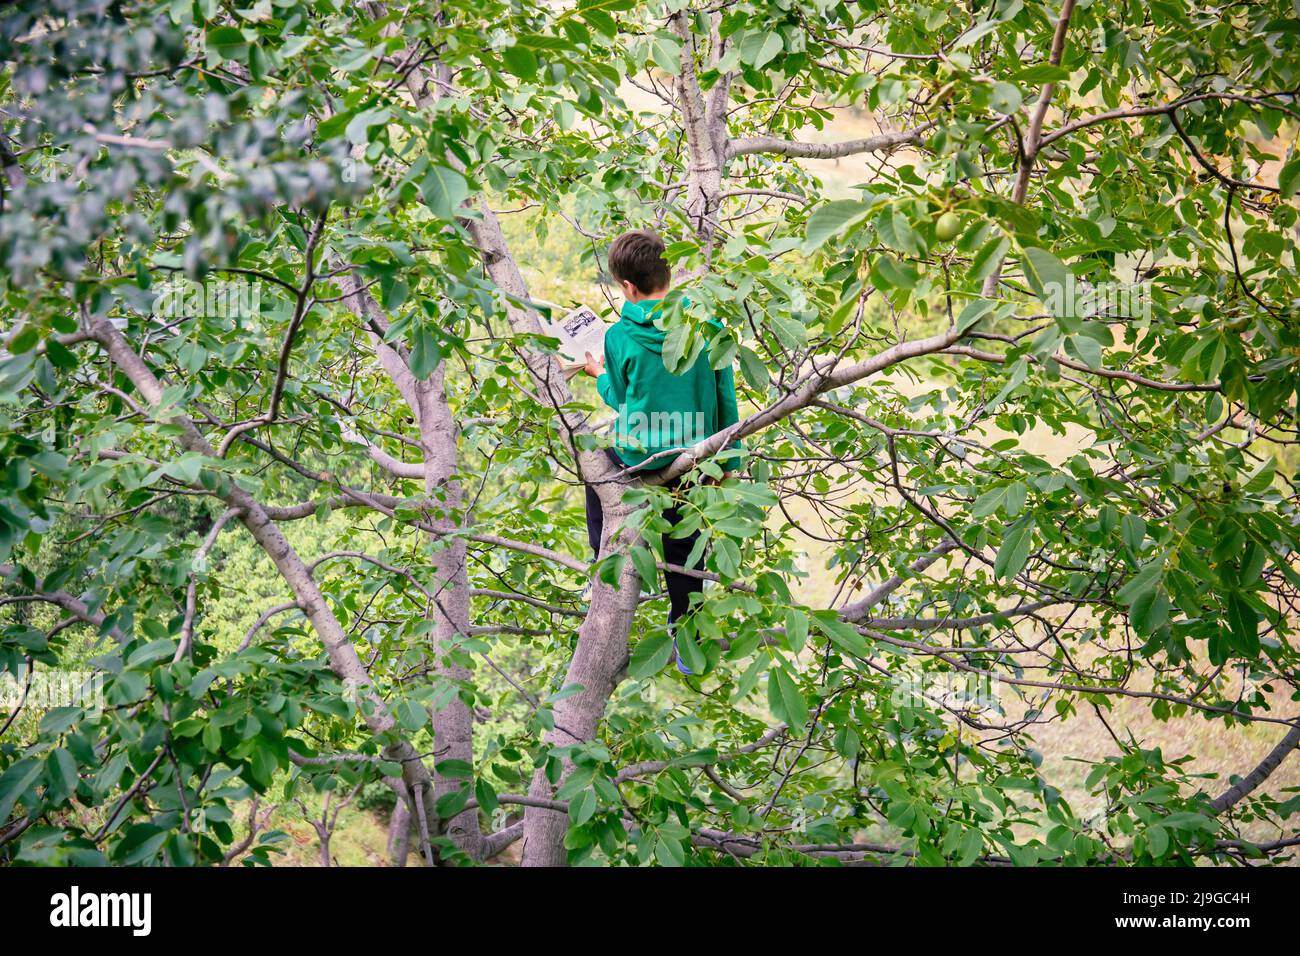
{"x": 658, "y": 411}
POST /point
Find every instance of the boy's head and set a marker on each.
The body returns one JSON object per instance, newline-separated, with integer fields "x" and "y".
{"x": 636, "y": 260}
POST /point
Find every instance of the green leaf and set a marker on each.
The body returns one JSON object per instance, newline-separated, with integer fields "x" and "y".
{"x": 796, "y": 629}
{"x": 582, "y": 807}
{"x": 1143, "y": 582}
{"x": 1045, "y": 273}
{"x": 227, "y": 43}
{"x": 690, "y": 653}
{"x": 726, "y": 556}
{"x": 675, "y": 345}
{"x": 1133, "y": 529}
{"x": 358, "y": 130}
{"x": 601, "y": 20}
{"x": 646, "y": 566}
{"x": 974, "y": 312}
{"x": 833, "y": 219}
{"x": 151, "y": 652}
{"x": 972, "y": 843}
{"x": 1041, "y": 73}
{"x": 141, "y": 843}
{"x": 16, "y": 781}
{"x": 454, "y": 769}
{"x": 975, "y": 33}
{"x": 759, "y": 49}
{"x": 611, "y": 567}
{"x": 841, "y": 633}
{"x": 450, "y": 804}
{"x": 425, "y": 354}
{"x": 186, "y": 468}
{"x": 1087, "y": 349}
{"x": 669, "y": 852}
{"x": 444, "y": 191}
{"x": 1005, "y": 98}
{"x": 1260, "y": 478}
{"x": 897, "y": 233}
{"x": 650, "y": 655}
{"x": 335, "y": 125}
{"x": 772, "y": 45}
{"x": 1150, "y": 611}
{"x": 988, "y": 503}
{"x": 1015, "y": 549}
{"x": 753, "y": 369}
{"x": 410, "y": 715}
{"x": 354, "y": 60}
{"x": 520, "y": 61}
{"x": 1158, "y": 838}
{"x": 1288, "y": 180}
{"x": 890, "y": 273}
{"x": 486, "y": 796}
{"x": 1243, "y": 624}
{"x": 987, "y": 259}
{"x": 666, "y": 51}
{"x": 61, "y": 773}
{"x": 785, "y": 700}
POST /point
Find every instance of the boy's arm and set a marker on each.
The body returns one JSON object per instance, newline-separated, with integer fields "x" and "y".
{"x": 611, "y": 383}
{"x": 728, "y": 414}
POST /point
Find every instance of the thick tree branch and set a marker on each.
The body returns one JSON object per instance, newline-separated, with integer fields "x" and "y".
{"x": 882, "y": 142}
{"x": 73, "y": 605}
{"x": 813, "y": 386}
{"x": 396, "y": 468}
{"x": 861, "y": 608}
{"x": 1272, "y": 760}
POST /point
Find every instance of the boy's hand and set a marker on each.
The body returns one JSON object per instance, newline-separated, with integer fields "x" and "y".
{"x": 595, "y": 366}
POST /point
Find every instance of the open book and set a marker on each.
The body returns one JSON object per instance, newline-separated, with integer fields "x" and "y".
{"x": 579, "y": 332}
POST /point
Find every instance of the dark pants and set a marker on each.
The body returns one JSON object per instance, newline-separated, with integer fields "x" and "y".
{"x": 676, "y": 551}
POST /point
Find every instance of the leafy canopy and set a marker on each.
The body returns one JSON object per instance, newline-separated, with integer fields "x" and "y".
{"x": 1065, "y": 224}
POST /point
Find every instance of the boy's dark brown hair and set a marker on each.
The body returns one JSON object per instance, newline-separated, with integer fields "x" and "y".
{"x": 638, "y": 257}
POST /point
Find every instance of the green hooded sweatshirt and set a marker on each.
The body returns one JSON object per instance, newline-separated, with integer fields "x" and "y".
{"x": 657, "y": 410}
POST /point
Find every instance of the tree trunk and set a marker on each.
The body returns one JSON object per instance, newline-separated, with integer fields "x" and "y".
{"x": 399, "y": 834}
{"x": 600, "y": 657}
{"x": 453, "y": 724}
{"x": 705, "y": 124}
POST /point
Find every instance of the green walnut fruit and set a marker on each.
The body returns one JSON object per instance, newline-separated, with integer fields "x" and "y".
{"x": 948, "y": 227}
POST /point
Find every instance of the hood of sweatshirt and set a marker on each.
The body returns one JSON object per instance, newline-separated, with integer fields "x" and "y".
{"x": 640, "y": 318}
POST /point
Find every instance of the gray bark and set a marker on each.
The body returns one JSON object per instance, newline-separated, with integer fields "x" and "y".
{"x": 399, "y": 834}
{"x": 598, "y": 661}
{"x": 785, "y": 147}
{"x": 453, "y": 724}
{"x": 705, "y": 137}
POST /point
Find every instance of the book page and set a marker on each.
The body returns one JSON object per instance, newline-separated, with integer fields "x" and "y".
{"x": 579, "y": 332}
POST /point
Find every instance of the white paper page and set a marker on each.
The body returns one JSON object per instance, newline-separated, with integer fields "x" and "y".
{"x": 580, "y": 332}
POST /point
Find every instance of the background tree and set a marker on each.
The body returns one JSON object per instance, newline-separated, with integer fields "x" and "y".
{"x": 1071, "y": 218}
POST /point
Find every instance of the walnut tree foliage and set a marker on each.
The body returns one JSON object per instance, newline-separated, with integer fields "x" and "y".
{"x": 352, "y": 163}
